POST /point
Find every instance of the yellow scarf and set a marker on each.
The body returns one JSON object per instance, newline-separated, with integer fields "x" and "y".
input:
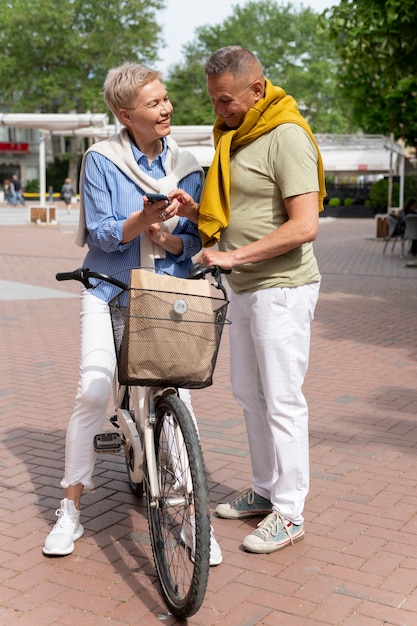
{"x": 275, "y": 108}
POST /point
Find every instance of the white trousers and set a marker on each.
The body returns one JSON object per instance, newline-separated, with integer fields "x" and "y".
{"x": 269, "y": 347}
{"x": 97, "y": 367}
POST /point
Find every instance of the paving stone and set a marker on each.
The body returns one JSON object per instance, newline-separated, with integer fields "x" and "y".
{"x": 357, "y": 563}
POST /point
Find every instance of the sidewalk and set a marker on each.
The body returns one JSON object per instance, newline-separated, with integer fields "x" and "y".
{"x": 357, "y": 565}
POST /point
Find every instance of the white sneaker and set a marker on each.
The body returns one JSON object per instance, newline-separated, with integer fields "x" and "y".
{"x": 67, "y": 529}
{"x": 188, "y": 537}
{"x": 215, "y": 551}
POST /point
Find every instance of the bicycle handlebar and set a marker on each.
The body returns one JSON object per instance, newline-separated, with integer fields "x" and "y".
{"x": 196, "y": 271}
{"x": 82, "y": 274}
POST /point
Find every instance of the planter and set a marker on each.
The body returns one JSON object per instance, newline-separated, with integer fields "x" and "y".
{"x": 39, "y": 214}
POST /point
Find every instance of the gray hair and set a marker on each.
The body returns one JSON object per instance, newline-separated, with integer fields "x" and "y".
{"x": 234, "y": 60}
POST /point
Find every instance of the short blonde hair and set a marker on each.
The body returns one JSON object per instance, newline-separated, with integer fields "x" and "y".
{"x": 123, "y": 84}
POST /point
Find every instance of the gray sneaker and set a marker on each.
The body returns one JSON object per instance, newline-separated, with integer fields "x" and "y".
{"x": 247, "y": 504}
{"x": 273, "y": 533}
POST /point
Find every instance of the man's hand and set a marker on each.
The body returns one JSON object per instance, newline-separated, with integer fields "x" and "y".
{"x": 187, "y": 207}
{"x": 225, "y": 260}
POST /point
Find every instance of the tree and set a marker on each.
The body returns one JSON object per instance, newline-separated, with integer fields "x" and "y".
{"x": 377, "y": 44}
{"x": 54, "y": 56}
{"x": 294, "y": 55}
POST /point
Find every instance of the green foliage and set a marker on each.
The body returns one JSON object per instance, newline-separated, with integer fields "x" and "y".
{"x": 334, "y": 202}
{"x": 377, "y": 44}
{"x": 188, "y": 94}
{"x": 410, "y": 187}
{"x": 378, "y": 195}
{"x": 348, "y": 201}
{"x": 295, "y": 52}
{"x": 32, "y": 186}
{"x": 54, "y": 56}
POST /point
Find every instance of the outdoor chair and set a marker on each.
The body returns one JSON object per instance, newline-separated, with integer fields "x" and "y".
{"x": 410, "y": 232}
{"x": 393, "y": 233}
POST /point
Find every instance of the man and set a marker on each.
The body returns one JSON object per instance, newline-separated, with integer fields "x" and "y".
{"x": 261, "y": 202}
{"x": 18, "y": 195}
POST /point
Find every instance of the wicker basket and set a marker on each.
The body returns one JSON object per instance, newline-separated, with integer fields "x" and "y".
{"x": 168, "y": 338}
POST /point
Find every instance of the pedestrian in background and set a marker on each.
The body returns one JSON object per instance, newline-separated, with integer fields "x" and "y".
{"x": 9, "y": 191}
{"x": 67, "y": 194}
{"x": 410, "y": 208}
{"x": 18, "y": 191}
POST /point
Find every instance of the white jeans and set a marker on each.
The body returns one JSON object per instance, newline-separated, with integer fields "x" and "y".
{"x": 269, "y": 346}
{"x": 97, "y": 367}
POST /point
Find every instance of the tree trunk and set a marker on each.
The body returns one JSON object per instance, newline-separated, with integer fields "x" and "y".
{"x": 75, "y": 154}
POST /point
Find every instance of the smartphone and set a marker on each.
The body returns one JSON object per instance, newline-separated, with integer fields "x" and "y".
{"x": 157, "y": 197}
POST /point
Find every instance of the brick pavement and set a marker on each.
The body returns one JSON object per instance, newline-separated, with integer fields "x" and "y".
{"x": 357, "y": 565}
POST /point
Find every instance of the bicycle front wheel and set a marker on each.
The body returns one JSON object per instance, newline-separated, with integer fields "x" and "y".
{"x": 179, "y": 520}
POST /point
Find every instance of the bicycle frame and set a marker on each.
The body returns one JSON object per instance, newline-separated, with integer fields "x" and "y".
{"x": 129, "y": 427}
{"x": 139, "y": 433}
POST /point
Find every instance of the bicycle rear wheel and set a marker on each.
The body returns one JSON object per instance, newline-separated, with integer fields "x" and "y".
{"x": 179, "y": 522}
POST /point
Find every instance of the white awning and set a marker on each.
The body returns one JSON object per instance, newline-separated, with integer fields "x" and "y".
{"x": 53, "y": 121}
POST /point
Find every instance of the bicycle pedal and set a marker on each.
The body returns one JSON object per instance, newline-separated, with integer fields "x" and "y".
{"x": 108, "y": 442}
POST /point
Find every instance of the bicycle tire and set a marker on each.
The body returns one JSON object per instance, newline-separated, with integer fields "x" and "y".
{"x": 182, "y": 571}
{"x": 136, "y": 488}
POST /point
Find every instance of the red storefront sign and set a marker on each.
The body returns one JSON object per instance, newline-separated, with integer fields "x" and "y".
{"x": 7, "y": 146}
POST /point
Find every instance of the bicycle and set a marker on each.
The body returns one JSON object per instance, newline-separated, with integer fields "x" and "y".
{"x": 162, "y": 450}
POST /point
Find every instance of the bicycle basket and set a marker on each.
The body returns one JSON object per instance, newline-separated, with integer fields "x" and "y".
{"x": 168, "y": 338}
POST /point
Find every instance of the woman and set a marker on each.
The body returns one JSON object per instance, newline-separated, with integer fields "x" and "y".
{"x": 122, "y": 229}
{"x": 9, "y": 191}
{"x": 67, "y": 194}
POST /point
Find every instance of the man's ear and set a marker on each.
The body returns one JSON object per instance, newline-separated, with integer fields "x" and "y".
{"x": 258, "y": 89}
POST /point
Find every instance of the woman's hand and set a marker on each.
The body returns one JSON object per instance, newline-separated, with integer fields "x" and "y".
{"x": 187, "y": 206}
{"x": 155, "y": 233}
{"x": 151, "y": 214}
{"x": 167, "y": 241}
{"x": 158, "y": 212}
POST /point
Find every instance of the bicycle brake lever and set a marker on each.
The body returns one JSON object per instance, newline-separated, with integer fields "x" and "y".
{"x": 84, "y": 279}
{"x": 197, "y": 270}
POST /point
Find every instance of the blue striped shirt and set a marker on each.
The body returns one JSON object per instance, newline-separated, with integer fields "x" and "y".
{"x": 109, "y": 198}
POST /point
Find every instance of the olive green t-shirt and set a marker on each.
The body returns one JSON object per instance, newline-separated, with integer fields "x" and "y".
{"x": 277, "y": 165}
